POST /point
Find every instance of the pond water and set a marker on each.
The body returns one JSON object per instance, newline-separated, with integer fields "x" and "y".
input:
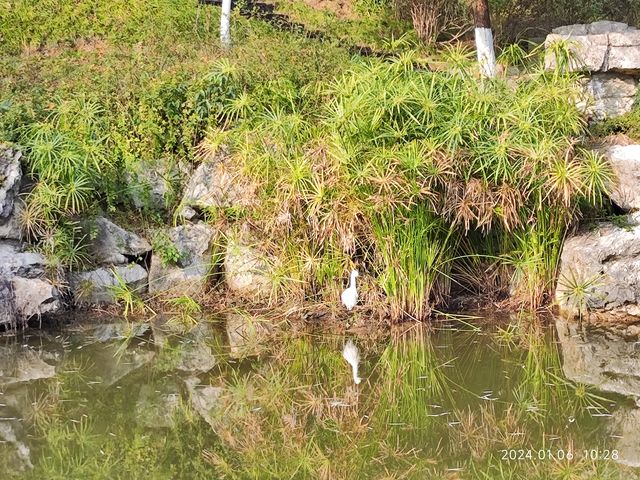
{"x": 230, "y": 399}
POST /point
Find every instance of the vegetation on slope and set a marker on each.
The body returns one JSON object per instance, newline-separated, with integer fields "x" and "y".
{"x": 426, "y": 180}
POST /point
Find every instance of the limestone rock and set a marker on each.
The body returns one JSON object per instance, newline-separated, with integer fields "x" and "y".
{"x": 111, "y": 332}
{"x": 600, "y": 46}
{"x": 246, "y": 269}
{"x": 10, "y": 176}
{"x": 24, "y": 290}
{"x": 612, "y": 94}
{"x": 152, "y": 185}
{"x": 95, "y": 287}
{"x": 35, "y": 297}
{"x": 625, "y": 161}
{"x": 10, "y": 229}
{"x": 15, "y": 261}
{"x": 189, "y": 274}
{"x": 113, "y": 245}
{"x": 605, "y": 260}
{"x": 216, "y": 183}
{"x": 195, "y": 351}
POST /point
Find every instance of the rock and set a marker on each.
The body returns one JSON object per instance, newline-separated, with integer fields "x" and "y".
{"x": 613, "y": 94}
{"x": 35, "y": 297}
{"x": 204, "y": 399}
{"x": 216, "y": 183}
{"x": 157, "y": 405}
{"x": 603, "y": 261}
{"x": 625, "y": 161}
{"x": 246, "y": 334}
{"x": 10, "y": 177}
{"x": 624, "y": 52}
{"x": 151, "y": 186}
{"x": 10, "y": 229}
{"x": 600, "y": 47}
{"x": 15, "y": 261}
{"x": 23, "y": 365}
{"x": 24, "y": 290}
{"x": 15, "y": 455}
{"x": 113, "y": 245}
{"x": 246, "y": 270}
{"x": 95, "y": 287}
{"x": 189, "y": 275}
{"x": 600, "y": 358}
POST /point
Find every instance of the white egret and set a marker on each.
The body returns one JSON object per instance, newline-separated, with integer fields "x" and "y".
{"x": 350, "y": 295}
{"x": 352, "y": 356}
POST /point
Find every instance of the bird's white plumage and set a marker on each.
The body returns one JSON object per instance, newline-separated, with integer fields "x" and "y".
{"x": 352, "y": 356}
{"x": 350, "y": 296}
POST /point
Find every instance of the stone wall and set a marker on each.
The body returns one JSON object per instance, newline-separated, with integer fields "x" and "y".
{"x": 610, "y": 53}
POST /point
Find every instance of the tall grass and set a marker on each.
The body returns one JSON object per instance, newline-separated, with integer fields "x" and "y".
{"x": 391, "y": 165}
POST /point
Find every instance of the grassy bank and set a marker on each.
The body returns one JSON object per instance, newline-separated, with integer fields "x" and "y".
{"x": 411, "y": 168}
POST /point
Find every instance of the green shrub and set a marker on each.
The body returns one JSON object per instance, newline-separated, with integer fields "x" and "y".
{"x": 398, "y": 163}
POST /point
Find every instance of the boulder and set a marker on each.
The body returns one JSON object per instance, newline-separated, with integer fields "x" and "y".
{"x": 95, "y": 287}
{"x": 189, "y": 274}
{"x": 10, "y": 177}
{"x": 216, "y": 183}
{"x": 625, "y": 161}
{"x": 10, "y": 229}
{"x": 600, "y": 272}
{"x": 35, "y": 297}
{"x": 111, "y": 332}
{"x": 610, "y": 51}
{"x": 246, "y": 268}
{"x": 113, "y": 245}
{"x": 24, "y": 290}
{"x": 15, "y": 261}
{"x": 152, "y": 185}
{"x": 611, "y": 95}
{"x": 599, "y": 47}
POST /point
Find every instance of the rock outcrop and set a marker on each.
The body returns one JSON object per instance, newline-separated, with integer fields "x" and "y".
{"x": 10, "y": 177}
{"x": 246, "y": 267}
{"x": 610, "y": 52}
{"x": 24, "y": 289}
{"x": 189, "y": 274}
{"x": 216, "y": 183}
{"x": 113, "y": 245}
{"x": 600, "y": 271}
{"x": 96, "y": 287}
{"x": 625, "y": 161}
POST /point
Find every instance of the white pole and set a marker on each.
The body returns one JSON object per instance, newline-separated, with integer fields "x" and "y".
{"x": 486, "y": 53}
{"x": 225, "y": 19}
